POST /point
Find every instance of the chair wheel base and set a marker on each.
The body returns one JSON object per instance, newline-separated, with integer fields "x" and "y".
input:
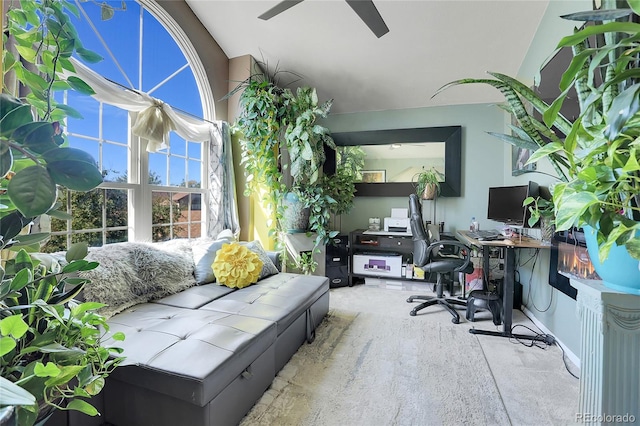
{"x": 412, "y": 313}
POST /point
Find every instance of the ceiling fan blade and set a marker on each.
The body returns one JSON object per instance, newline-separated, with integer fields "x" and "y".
{"x": 368, "y": 12}
{"x": 279, "y": 8}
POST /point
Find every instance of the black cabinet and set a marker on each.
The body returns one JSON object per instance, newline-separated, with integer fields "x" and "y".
{"x": 337, "y": 261}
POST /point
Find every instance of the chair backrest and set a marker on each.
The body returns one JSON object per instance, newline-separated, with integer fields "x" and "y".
{"x": 419, "y": 235}
{"x": 433, "y": 231}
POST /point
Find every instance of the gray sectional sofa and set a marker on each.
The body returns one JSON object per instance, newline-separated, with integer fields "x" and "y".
{"x": 206, "y": 354}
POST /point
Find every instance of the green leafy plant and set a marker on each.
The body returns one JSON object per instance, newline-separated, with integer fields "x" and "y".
{"x": 539, "y": 209}
{"x": 34, "y": 158}
{"x": 427, "y": 183}
{"x": 306, "y": 263}
{"x": 596, "y": 157}
{"x": 283, "y": 150}
{"x": 49, "y": 344}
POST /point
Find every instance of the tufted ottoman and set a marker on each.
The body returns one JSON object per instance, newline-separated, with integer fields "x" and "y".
{"x": 183, "y": 365}
{"x": 204, "y": 356}
{"x": 294, "y": 302}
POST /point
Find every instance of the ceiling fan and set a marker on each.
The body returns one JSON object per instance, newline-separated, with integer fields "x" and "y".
{"x": 365, "y": 9}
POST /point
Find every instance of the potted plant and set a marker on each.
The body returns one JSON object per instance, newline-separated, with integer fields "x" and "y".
{"x": 542, "y": 211}
{"x": 427, "y": 183}
{"x": 283, "y": 151}
{"x": 596, "y": 156}
{"x": 50, "y": 349}
{"x": 49, "y": 344}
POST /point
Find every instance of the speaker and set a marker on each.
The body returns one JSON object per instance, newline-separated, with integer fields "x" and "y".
{"x": 337, "y": 261}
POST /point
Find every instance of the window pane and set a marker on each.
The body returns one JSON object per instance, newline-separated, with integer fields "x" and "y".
{"x": 90, "y": 109}
{"x": 178, "y": 145}
{"x": 195, "y": 150}
{"x": 161, "y": 233}
{"x": 177, "y": 172}
{"x": 194, "y": 174}
{"x": 93, "y": 239}
{"x": 54, "y": 244}
{"x": 120, "y": 33}
{"x": 117, "y": 236}
{"x": 115, "y": 124}
{"x": 117, "y": 207}
{"x": 87, "y": 209}
{"x": 114, "y": 162}
{"x": 158, "y": 169}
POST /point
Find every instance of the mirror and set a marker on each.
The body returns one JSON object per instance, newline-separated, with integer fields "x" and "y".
{"x": 395, "y": 156}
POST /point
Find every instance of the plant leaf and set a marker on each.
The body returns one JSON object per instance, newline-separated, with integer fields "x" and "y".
{"x": 14, "y": 118}
{"x": 76, "y": 251}
{"x": 79, "y": 85}
{"x": 33, "y": 191}
{"x": 82, "y": 406}
{"x": 37, "y": 136}
{"x": 73, "y": 168}
{"x": 13, "y": 394}
{"x": 46, "y": 370}
{"x": 624, "y": 106}
{"x": 13, "y": 326}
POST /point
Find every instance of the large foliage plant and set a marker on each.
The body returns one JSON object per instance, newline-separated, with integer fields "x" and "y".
{"x": 51, "y": 355}
{"x": 283, "y": 150}
{"x": 597, "y": 156}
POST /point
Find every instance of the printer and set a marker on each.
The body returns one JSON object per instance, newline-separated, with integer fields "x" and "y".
{"x": 398, "y": 222}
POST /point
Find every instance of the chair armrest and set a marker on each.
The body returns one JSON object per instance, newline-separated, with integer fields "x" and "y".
{"x": 461, "y": 248}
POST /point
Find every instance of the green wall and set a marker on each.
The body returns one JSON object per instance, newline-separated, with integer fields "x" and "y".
{"x": 485, "y": 162}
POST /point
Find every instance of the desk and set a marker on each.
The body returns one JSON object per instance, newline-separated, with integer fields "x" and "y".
{"x": 510, "y": 247}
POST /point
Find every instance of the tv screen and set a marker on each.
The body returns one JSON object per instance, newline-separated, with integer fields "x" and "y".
{"x": 505, "y": 203}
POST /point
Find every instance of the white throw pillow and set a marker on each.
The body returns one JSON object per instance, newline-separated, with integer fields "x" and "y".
{"x": 204, "y": 253}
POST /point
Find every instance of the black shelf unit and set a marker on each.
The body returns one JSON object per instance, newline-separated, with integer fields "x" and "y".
{"x": 361, "y": 241}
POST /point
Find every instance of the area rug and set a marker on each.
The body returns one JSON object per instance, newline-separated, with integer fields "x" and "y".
{"x": 373, "y": 364}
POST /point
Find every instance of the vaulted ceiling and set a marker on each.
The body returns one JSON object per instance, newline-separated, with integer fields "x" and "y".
{"x": 429, "y": 43}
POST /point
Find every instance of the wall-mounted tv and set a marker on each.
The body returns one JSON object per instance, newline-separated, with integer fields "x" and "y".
{"x": 505, "y": 203}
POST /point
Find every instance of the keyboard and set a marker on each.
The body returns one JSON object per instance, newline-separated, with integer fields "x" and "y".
{"x": 492, "y": 234}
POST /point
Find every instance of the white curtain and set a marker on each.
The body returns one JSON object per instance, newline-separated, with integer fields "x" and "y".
{"x": 155, "y": 120}
{"x": 223, "y": 206}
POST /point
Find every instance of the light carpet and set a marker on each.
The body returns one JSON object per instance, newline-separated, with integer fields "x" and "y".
{"x": 373, "y": 364}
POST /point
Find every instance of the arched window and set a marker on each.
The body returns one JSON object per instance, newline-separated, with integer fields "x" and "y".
{"x": 145, "y": 196}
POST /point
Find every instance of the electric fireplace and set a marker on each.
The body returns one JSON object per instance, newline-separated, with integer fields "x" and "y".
{"x": 569, "y": 256}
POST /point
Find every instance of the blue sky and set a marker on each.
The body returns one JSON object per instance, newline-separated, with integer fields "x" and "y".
{"x": 161, "y": 57}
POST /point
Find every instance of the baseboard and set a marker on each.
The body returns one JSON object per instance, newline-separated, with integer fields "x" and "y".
{"x": 568, "y": 353}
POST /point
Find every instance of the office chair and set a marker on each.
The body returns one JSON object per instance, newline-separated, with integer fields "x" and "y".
{"x": 430, "y": 256}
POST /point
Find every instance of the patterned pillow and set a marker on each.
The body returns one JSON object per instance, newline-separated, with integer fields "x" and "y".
{"x": 236, "y": 266}
{"x": 268, "y": 268}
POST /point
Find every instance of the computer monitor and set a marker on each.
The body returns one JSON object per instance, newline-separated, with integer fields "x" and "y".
{"x": 505, "y": 203}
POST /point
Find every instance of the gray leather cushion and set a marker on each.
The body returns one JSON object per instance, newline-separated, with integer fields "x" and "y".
{"x": 281, "y": 298}
{"x": 195, "y": 297}
{"x": 188, "y": 354}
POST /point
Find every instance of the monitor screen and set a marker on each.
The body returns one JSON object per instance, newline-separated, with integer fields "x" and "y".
{"x": 505, "y": 203}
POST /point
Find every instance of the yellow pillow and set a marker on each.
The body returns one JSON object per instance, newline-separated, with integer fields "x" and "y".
{"x": 236, "y": 266}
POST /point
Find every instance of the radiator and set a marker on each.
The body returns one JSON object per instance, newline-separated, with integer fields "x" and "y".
{"x": 609, "y": 354}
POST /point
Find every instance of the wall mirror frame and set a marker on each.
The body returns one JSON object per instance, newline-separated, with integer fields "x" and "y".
{"x": 450, "y": 135}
